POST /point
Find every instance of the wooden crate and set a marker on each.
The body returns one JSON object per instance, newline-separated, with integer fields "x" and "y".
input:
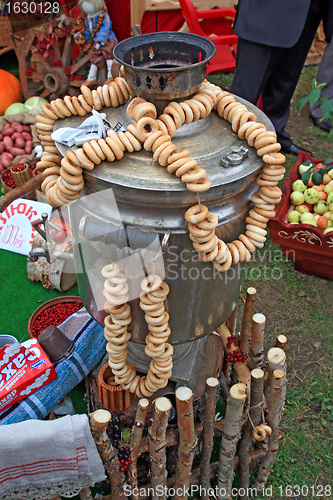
{"x": 310, "y": 250}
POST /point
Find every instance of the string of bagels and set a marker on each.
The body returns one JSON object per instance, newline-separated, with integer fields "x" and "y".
{"x": 63, "y": 183}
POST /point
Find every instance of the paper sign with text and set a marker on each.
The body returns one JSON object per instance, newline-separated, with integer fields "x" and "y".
{"x": 16, "y": 231}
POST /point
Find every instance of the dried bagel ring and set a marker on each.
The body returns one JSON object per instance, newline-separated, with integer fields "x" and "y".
{"x": 50, "y": 171}
{"x": 97, "y": 103}
{"x": 117, "y": 151}
{"x": 84, "y": 103}
{"x": 234, "y": 253}
{"x": 210, "y": 222}
{"x": 98, "y": 150}
{"x": 47, "y": 110}
{"x": 225, "y": 266}
{"x": 87, "y": 94}
{"x": 274, "y": 158}
{"x": 197, "y": 214}
{"x": 106, "y": 150}
{"x": 199, "y": 186}
{"x": 150, "y": 283}
{"x": 90, "y": 152}
{"x": 77, "y": 106}
{"x": 187, "y": 111}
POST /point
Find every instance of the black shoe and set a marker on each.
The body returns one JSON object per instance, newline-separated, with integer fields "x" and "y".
{"x": 294, "y": 150}
{"x": 324, "y": 124}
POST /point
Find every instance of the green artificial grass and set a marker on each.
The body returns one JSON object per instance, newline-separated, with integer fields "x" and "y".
{"x": 19, "y": 296}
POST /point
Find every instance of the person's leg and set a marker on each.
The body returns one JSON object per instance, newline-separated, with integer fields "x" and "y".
{"x": 324, "y": 75}
{"x": 253, "y": 68}
{"x": 281, "y": 85}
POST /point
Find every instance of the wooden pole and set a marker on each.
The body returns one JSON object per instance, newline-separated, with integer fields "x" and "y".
{"x": 256, "y": 354}
{"x": 157, "y": 445}
{"x": 241, "y": 370}
{"x": 172, "y": 435}
{"x": 254, "y": 418}
{"x": 246, "y": 319}
{"x": 231, "y": 325}
{"x": 99, "y": 421}
{"x": 274, "y": 413}
{"x": 230, "y": 437}
{"x": 20, "y": 191}
{"x": 187, "y": 440}
{"x": 281, "y": 341}
{"x": 276, "y": 360}
{"x": 254, "y": 457}
{"x": 137, "y": 430}
{"x": 208, "y": 434}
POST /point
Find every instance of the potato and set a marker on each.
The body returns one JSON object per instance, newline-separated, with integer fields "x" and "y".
{"x": 8, "y": 143}
{"x": 7, "y": 131}
{"x": 2, "y": 147}
{"x": 26, "y": 136}
{"x": 20, "y": 142}
{"x": 17, "y": 151}
{"x": 1, "y": 137}
{"x": 16, "y": 135}
{"x": 26, "y": 128}
{"x": 28, "y": 147}
{"x": 18, "y": 127}
{"x": 2, "y": 168}
{"x": 6, "y": 159}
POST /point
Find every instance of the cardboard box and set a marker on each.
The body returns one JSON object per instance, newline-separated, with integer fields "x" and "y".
{"x": 24, "y": 368}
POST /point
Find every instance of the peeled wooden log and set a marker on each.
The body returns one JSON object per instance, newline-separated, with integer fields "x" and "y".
{"x": 230, "y": 437}
{"x": 276, "y": 360}
{"x": 172, "y": 435}
{"x": 256, "y": 353}
{"x": 99, "y": 421}
{"x": 274, "y": 412}
{"x": 241, "y": 370}
{"x": 281, "y": 341}
{"x": 59, "y": 274}
{"x": 187, "y": 440}
{"x": 137, "y": 430}
{"x": 247, "y": 319}
{"x": 208, "y": 434}
{"x": 254, "y": 419}
{"x": 157, "y": 443}
{"x": 145, "y": 491}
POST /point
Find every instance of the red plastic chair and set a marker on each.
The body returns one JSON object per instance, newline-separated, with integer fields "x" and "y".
{"x": 215, "y": 24}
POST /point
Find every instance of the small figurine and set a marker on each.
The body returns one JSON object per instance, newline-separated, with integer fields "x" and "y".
{"x": 94, "y": 33}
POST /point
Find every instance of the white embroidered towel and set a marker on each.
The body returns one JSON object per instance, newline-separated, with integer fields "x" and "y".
{"x": 42, "y": 459}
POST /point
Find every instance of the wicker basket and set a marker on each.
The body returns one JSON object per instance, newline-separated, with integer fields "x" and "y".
{"x": 5, "y": 33}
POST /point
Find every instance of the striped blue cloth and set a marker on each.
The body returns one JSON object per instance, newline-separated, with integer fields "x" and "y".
{"x": 88, "y": 351}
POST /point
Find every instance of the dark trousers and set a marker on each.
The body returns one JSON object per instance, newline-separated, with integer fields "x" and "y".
{"x": 273, "y": 72}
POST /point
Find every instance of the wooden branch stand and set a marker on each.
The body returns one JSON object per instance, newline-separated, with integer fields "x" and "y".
{"x": 254, "y": 387}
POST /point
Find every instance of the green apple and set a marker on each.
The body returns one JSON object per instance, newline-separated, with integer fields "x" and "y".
{"x": 330, "y": 223}
{"x": 330, "y": 198}
{"x": 328, "y": 230}
{"x": 316, "y": 216}
{"x": 293, "y": 216}
{"x": 311, "y": 196}
{"x": 297, "y": 198}
{"x": 302, "y": 209}
{"x": 330, "y": 173}
{"x": 328, "y": 188}
{"x": 312, "y": 223}
{"x": 303, "y": 168}
{"x": 328, "y": 215}
{"x": 298, "y": 186}
{"x": 306, "y": 218}
{"x": 320, "y": 207}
